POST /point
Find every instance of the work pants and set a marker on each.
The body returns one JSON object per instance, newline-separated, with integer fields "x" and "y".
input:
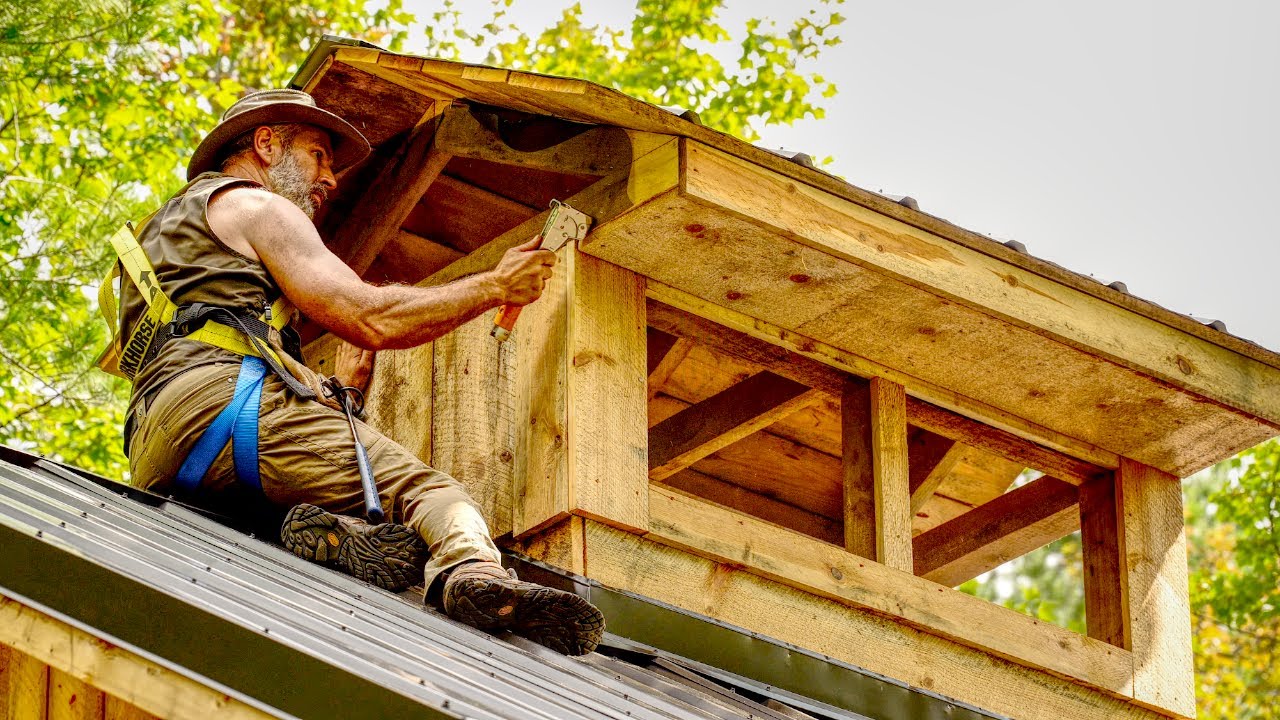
{"x": 305, "y": 455}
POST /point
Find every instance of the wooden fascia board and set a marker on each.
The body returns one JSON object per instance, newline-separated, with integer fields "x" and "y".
{"x": 827, "y": 571}
{"x": 848, "y": 231}
{"x": 583, "y": 101}
{"x": 116, "y": 670}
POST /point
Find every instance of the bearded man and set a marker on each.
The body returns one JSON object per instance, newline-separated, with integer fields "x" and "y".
{"x": 239, "y": 237}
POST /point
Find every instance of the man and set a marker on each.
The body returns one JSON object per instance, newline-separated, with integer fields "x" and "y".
{"x": 239, "y": 236}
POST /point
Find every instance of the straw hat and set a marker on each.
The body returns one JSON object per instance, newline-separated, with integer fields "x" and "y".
{"x": 271, "y": 107}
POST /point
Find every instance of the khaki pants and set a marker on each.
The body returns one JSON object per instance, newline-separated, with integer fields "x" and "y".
{"x": 305, "y": 455}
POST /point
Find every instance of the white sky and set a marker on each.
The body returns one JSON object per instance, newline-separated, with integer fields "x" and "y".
{"x": 1131, "y": 141}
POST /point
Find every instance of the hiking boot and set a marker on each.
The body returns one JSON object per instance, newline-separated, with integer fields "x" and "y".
{"x": 484, "y": 595}
{"x": 390, "y": 556}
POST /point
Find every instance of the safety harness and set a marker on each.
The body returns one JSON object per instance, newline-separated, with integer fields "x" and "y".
{"x": 236, "y": 330}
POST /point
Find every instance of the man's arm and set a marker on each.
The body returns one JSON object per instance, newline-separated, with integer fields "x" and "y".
{"x": 330, "y": 292}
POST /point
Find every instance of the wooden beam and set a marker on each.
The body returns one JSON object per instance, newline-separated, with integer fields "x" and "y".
{"x": 464, "y": 216}
{"x": 992, "y": 534}
{"x": 554, "y": 145}
{"x": 1105, "y": 604}
{"x": 657, "y": 345}
{"x": 383, "y": 207}
{"x": 930, "y": 459}
{"x": 857, "y": 468}
{"x": 670, "y": 360}
{"x": 1159, "y": 614}
{"x": 723, "y": 419}
{"x": 408, "y": 258}
{"x": 792, "y": 559}
{"x": 114, "y": 670}
{"x": 71, "y": 698}
{"x": 735, "y": 497}
{"x": 864, "y": 638}
{"x": 24, "y": 685}
{"x": 892, "y": 482}
{"x": 117, "y": 709}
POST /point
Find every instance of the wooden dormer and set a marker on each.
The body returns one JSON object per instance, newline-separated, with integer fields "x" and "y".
{"x": 764, "y": 395}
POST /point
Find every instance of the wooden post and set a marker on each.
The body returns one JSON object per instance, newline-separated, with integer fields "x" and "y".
{"x": 24, "y": 685}
{"x": 1105, "y": 604}
{"x": 73, "y": 699}
{"x": 889, "y": 466}
{"x": 856, "y": 465}
{"x": 1159, "y": 612}
{"x": 582, "y": 398}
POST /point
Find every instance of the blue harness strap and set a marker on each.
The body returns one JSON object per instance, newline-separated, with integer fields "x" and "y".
{"x": 237, "y": 422}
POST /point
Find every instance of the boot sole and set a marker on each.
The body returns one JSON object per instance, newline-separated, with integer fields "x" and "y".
{"x": 556, "y": 619}
{"x": 390, "y": 556}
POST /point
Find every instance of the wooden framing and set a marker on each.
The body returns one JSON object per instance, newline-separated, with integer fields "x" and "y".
{"x": 935, "y": 344}
{"x": 42, "y": 659}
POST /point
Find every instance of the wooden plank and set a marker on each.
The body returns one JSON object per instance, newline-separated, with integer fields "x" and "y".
{"x": 472, "y": 434}
{"x": 723, "y": 419}
{"x": 846, "y": 230}
{"x": 781, "y": 469}
{"x": 931, "y": 458}
{"x": 1105, "y": 604}
{"x": 73, "y": 699}
{"x": 407, "y": 258}
{"x": 1008, "y": 527}
{"x": 24, "y": 685}
{"x": 1005, "y": 444}
{"x": 584, "y": 151}
{"x": 398, "y": 399}
{"x": 786, "y": 557}
{"x": 117, "y": 709}
{"x": 464, "y": 216}
{"x": 1159, "y": 617}
{"x": 607, "y": 392}
{"x": 670, "y": 360}
{"x": 857, "y": 468}
{"x": 854, "y": 635}
{"x": 819, "y": 366}
{"x": 561, "y": 545}
{"x": 384, "y": 205}
{"x": 892, "y": 481}
{"x": 769, "y": 509}
{"x": 381, "y": 110}
{"x": 930, "y": 342}
{"x": 114, "y": 670}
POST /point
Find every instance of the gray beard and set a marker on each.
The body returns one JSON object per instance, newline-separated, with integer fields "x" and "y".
{"x": 289, "y": 181}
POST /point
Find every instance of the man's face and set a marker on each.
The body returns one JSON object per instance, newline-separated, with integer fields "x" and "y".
{"x": 303, "y": 174}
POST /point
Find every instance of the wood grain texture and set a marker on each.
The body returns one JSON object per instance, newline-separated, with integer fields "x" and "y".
{"x": 824, "y": 367}
{"x": 472, "y": 416}
{"x": 1105, "y": 604}
{"x": 463, "y": 216}
{"x": 1005, "y": 528}
{"x": 670, "y": 360}
{"x": 783, "y": 556}
{"x": 764, "y": 507}
{"x": 921, "y": 259}
{"x": 950, "y": 354}
{"x": 116, "y": 671}
{"x": 863, "y": 638}
{"x": 931, "y": 458}
{"x": 892, "y": 481}
{"x": 73, "y": 699}
{"x": 408, "y": 258}
{"x": 585, "y": 151}
{"x": 117, "y": 709}
{"x": 857, "y": 469}
{"x": 699, "y": 430}
{"x": 399, "y": 398}
{"x": 1159, "y": 614}
{"x": 384, "y": 205}
{"x": 24, "y": 684}
{"x": 561, "y": 544}
{"x": 607, "y": 392}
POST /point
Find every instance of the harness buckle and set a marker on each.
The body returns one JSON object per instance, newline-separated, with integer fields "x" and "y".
{"x": 187, "y": 320}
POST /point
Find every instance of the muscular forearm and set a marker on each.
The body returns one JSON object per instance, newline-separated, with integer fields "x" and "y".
{"x": 396, "y": 316}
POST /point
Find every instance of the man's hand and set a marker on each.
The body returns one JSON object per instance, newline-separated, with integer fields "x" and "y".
{"x": 522, "y": 272}
{"x": 353, "y": 366}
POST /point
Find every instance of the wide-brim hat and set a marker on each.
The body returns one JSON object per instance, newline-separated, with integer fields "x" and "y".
{"x": 272, "y": 107}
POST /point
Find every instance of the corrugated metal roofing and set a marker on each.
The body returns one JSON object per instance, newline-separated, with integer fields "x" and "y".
{"x": 300, "y": 640}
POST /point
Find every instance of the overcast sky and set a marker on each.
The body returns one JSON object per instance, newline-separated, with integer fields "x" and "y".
{"x": 1131, "y": 141}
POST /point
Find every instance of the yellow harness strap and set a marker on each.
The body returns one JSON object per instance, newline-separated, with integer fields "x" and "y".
{"x": 124, "y": 359}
